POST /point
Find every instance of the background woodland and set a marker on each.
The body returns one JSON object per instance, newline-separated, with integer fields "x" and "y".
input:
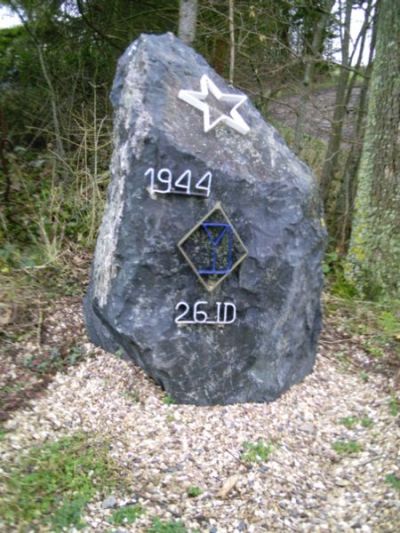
{"x": 56, "y": 71}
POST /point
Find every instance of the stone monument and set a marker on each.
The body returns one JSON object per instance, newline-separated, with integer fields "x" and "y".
{"x": 207, "y": 270}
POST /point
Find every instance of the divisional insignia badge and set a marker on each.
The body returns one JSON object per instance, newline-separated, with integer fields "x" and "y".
{"x": 213, "y": 248}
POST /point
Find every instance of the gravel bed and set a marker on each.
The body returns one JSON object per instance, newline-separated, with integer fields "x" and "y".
{"x": 167, "y": 448}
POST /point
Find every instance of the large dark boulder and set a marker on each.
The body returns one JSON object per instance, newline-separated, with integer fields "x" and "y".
{"x": 270, "y": 211}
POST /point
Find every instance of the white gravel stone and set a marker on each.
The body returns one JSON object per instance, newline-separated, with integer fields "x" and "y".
{"x": 305, "y": 486}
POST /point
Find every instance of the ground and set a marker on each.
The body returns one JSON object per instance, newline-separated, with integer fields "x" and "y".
{"x": 324, "y": 457}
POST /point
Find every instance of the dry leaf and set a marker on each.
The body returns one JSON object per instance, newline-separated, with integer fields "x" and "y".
{"x": 228, "y": 486}
{"x": 6, "y": 315}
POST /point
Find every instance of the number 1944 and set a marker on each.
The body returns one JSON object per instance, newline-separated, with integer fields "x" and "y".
{"x": 164, "y": 182}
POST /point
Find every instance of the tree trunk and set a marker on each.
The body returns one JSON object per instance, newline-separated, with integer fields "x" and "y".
{"x": 342, "y": 216}
{"x": 187, "y": 20}
{"x": 59, "y": 151}
{"x": 310, "y": 61}
{"x": 54, "y": 107}
{"x": 231, "y": 40}
{"x": 335, "y": 138}
{"x": 374, "y": 254}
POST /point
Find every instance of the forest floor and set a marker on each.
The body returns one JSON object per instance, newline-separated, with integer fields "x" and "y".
{"x": 323, "y": 457}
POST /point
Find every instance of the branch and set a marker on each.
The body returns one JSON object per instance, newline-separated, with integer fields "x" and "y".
{"x": 99, "y": 32}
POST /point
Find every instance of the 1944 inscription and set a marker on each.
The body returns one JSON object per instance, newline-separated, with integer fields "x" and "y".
{"x": 164, "y": 182}
{"x": 223, "y": 313}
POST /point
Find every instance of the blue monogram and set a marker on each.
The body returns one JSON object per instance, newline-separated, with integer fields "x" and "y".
{"x": 220, "y": 254}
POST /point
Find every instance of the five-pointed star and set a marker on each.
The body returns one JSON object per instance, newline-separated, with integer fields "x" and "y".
{"x": 197, "y": 100}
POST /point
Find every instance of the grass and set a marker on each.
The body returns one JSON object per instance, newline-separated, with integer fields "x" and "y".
{"x": 394, "y": 406}
{"x": 168, "y": 400}
{"x": 376, "y": 325}
{"x": 193, "y": 492}
{"x": 172, "y": 526}
{"x": 55, "y": 360}
{"x": 349, "y": 421}
{"x": 69, "y": 514}
{"x": 366, "y": 422}
{"x": 126, "y": 515}
{"x": 349, "y": 447}
{"x": 393, "y": 480}
{"x": 25, "y": 294}
{"x": 45, "y": 216}
{"x": 133, "y": 396}
{"x": 352, "y": 421}
{"x": 256, "y": 452}
{"x": 44, "y": 232}
{"x": 51, "y": 485}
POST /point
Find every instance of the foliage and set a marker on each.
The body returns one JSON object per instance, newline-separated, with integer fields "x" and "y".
{"x": 52, "y": 483}
{"x": 55, "y": 361}
{"x": 172, "y": 526}
{"x": 168, "y": 400}
{"x": 376, "y": 325}
{"x": 69, "y": 514}
{"x": 393, "y": 480}
{"x": 56, "y": 73}
{"x": 390, "y": 323}
{"x": 367, "y": 422}
{"x": 349, "y": 447}
{"x": 352, "y": 421}
{"x": 256, "y": 452}
{"x": 333, "y": 269}
{"x": 126, "y": 515}
{"x": 44, "y": 216}
{"x": 194, "y": 491}
{"x": 394, "y": 406}
{"x": 78, "y": 53}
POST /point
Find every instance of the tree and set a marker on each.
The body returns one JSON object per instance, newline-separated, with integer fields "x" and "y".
{"x": 187, "y": 20}
{"x": 374, "y": 254}
{"x": 311, "y": 53}
{"x": 335, "y": 137}
{"x": 340, "y": 216}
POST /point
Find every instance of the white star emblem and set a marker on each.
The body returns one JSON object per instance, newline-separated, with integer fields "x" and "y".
{"x": 196, "y": 99}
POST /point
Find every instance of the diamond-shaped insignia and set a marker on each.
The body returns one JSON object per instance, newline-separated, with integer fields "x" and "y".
{"x": 213, "y": 248}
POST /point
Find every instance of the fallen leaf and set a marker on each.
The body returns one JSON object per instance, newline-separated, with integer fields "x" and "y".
{"x": 229, "y": 484}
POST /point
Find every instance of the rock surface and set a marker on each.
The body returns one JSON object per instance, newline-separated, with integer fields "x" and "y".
{"x": 139, "y": 275}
